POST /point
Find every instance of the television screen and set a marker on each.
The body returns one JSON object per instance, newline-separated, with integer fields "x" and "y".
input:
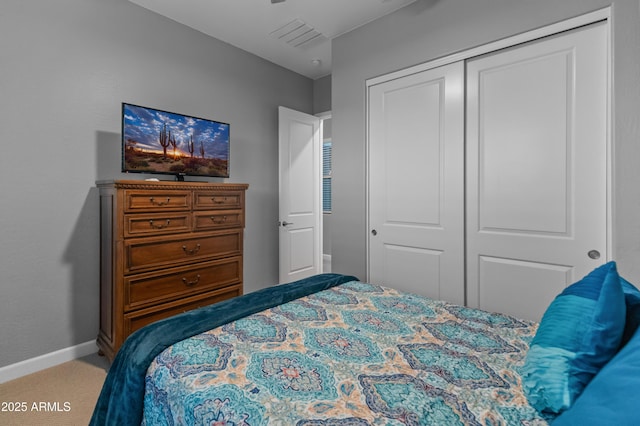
{"x": 155, "y": 141}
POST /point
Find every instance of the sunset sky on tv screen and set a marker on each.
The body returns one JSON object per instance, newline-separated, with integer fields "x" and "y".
{"x": 142, "y": 127}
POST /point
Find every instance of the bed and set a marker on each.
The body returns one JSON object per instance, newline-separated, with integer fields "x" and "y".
{"x": 328, "y": 350}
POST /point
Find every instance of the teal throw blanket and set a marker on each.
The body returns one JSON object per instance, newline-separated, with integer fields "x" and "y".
{"x": 122, "y": 397}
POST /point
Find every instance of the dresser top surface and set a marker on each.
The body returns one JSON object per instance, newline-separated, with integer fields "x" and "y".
{"x": 145, "y": 184}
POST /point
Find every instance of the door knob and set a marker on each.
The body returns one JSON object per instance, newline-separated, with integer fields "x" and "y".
{"x": 594, "y": 254}
{"x": 285, "y": 223}
{"x": 374, "y": 232}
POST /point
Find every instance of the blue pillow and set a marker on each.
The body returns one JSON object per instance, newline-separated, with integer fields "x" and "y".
{"x": 612, "y": 396}
{"x": 632, "y": 300}
{"x": 578, "y": 334}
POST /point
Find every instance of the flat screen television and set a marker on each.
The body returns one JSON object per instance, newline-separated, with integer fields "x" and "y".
{"x": 162, "y": 142}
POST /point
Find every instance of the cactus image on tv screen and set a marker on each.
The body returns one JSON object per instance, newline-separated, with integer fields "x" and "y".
{"x": 162, "y": 142}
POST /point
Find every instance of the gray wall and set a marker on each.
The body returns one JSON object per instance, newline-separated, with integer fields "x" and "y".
{"x": 322, "y": 95}
{"x": 65, "y": 68}
{"x": 429, "y": 29}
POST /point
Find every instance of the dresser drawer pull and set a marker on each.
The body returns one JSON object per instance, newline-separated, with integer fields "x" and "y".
{"x": 191, "y": 251}
{"x": 159, "y": 203}
{"x": 219, "y": 201}
{"x": 218, "y": 220}
{"x": 191, "y": 283}
{"x": 159, "y": 225}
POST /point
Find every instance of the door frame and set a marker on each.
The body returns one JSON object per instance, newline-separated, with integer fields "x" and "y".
{"x": 326, "y": 115}
{"x": 603, "y": 14}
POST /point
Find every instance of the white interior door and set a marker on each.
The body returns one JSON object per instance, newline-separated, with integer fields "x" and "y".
{"x": 300, "y": 203}
{"x": 536, "y": 170}
{"x": 416, "y": 183}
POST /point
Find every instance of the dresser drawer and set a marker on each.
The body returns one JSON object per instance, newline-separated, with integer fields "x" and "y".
{"x": 218, "y": 219}
{"x": 207, "y": 200}
{"x": 138, "y": 225}
{"x": 148, "y": 201}
{"x": 138, "y": 319}
{"x": 152, "y": 288}
{"x": 143, "y": 254}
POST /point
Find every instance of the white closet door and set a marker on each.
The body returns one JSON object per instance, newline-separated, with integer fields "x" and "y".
{"x": 416, "y": 184}
{"x": 536, "y": 170}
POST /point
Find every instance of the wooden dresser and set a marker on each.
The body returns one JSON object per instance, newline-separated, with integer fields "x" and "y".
{"x": 166, "y": 248}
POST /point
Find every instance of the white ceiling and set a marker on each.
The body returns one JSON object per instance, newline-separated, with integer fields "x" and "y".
{"x": 254, "y": 25}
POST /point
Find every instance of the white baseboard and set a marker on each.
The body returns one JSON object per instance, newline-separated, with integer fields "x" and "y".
{"x": 42, "y": 362}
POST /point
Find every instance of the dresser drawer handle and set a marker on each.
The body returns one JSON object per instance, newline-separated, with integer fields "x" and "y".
{"x": 159, "y": 203}
{"x": 191, "y": 251}
{"x": 191, "y": 283}
{"x": 218, "y": 220}
{"x": 159, "y": 225}
{"x": 218, "y": 201}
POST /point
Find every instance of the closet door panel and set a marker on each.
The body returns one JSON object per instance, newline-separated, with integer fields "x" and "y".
{"x": 525, "y": 142}
{"x": 536, "y": 152}
{"x": 415, "y": 130}
{"x": 412, "y": 266}
{"x": 416, "y": 184}
{"x": 505, "y": 285}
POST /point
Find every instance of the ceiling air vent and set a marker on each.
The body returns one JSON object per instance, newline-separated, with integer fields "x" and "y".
{"x": 297, "y": 34}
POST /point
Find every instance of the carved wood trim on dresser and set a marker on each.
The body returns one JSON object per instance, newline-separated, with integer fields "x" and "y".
{"x": 165, "y": 248}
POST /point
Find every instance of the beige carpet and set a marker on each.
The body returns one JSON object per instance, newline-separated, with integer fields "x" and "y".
{"x": 63, "y": 395}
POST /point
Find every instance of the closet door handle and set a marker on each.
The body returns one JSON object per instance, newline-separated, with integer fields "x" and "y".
{"x": 374, "y": 232}
{"x": 594, "y": 254}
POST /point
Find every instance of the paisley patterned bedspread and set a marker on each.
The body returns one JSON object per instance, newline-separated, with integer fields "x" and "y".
{"x": 356, "y": 354}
